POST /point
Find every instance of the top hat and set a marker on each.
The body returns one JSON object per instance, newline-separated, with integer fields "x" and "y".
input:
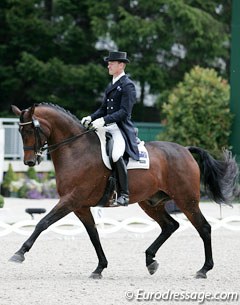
{"x": 117, "y": 56}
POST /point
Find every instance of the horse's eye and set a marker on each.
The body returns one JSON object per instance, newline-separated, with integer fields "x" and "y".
{"x": 29, "y": 131}
{"x": 26, "y": 131}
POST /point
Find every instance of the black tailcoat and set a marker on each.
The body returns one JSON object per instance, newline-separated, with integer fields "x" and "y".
{"x": 117, "y": 107}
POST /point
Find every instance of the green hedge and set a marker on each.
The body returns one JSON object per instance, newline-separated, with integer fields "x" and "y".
{"x": 198, "y": 113}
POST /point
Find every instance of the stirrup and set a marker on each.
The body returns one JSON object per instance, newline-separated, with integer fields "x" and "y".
{"x": 122, "y": 201}
{"x": 114, "y": 200}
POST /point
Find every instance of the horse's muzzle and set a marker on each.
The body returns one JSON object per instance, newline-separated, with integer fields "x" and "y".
{"x": 30, "y": 163}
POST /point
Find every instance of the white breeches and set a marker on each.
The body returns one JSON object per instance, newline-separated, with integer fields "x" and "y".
{"x": 118, "y": 141}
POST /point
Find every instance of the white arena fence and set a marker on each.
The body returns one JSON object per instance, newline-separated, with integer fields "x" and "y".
{"x": 107, "y": 225}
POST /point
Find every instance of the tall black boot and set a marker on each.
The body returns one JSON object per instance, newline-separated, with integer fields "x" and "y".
{"x": 121, "y": 168}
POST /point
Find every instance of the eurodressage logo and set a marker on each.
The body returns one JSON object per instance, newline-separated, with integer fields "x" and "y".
{"x": 200, "y": 297}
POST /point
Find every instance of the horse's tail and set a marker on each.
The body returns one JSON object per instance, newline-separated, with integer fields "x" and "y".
{"x": 220, "y": 178}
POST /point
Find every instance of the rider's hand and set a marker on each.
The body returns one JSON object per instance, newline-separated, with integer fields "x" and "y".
{"x": 98, "y": 123}
{"x": 86, "y": 121}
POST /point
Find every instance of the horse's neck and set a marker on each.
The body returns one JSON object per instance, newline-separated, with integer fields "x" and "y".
{"x": 64, "y": 128}
{"x": 61, "y": 129}
{"x": 75, "y": 157}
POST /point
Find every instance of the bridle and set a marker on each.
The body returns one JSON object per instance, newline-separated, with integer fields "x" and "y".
{"x": 40, "y": 146}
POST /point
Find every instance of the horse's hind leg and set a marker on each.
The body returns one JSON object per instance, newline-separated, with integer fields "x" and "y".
{"x": 204, "y": 229}
{"x": 58, "y": 212}
{"x": 168, "y": 226}
{"x": 87, "y": 219}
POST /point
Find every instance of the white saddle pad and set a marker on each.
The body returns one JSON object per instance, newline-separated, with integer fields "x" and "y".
{"x": 142, "y": 163}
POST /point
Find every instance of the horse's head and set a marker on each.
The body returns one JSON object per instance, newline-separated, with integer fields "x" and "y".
{"x": 33, "y": 135}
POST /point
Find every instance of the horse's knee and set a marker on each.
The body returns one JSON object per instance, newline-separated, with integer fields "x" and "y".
{"x": 175, "y": 225}
{"x": 207, "y": 228}
{"x": 42, "y": 225}
{"x": 170, "y": 227}
{"x": 205, "y": 231}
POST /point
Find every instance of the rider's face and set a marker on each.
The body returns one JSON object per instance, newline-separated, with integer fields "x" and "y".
{"x": 115, "y": 68}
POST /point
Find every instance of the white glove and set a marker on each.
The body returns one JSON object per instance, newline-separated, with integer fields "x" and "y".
{"x": 85, "y": 121}
{"x": 98, "y": 123}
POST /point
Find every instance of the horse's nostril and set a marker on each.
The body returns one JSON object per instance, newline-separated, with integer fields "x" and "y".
{"x": 30, "y": 163}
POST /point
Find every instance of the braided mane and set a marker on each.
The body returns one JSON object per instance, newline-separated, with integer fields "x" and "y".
{"x": 61, "y": 109}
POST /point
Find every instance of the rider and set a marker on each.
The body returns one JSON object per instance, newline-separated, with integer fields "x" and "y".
{"x": 115, "y": 116}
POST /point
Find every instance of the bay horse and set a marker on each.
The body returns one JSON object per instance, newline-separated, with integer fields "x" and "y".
{"x": 82, "y": 178}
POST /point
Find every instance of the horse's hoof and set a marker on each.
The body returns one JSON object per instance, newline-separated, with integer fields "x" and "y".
{"x": 17, "y": 258}
{"x": 95, "y": 276}
{"x": 153, "y": 267}
{"x": 201, "y": 275}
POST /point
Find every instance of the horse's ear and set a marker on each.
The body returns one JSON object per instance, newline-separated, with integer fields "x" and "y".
{"x": 16, "y": 110}
{"x": 31, "y": 110}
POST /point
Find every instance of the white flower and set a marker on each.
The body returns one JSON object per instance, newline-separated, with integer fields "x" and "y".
{"x": 34, "y": 185}
{"x": 16, "y": 185}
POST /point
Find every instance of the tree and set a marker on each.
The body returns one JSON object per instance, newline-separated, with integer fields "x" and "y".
{"x": 48, "y": 54}
{"x": 165, "y": 39}
{"x": 32, "y": 174}
{"x": 67, "y": 85}
{"x": 52, "y": 50}
{"x": 197, "y": 111}
{"x": 8, "y": 178}
{"x": 1, "y": 201}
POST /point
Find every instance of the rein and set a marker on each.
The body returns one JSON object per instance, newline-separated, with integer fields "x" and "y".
{"x": 38, "y": 147}
{"x": 55, "y": 146}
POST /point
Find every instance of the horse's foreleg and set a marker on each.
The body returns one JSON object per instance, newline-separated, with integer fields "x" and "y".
{"x": 54, "y": 215}
{"x": 204, "y": 230}
{"x": 168, "y": 226}
{"x": 87, "y": 219}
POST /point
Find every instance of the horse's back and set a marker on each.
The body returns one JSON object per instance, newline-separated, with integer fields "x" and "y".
{"x": 171, "y": 152}
{"x": 173, "y": 162}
